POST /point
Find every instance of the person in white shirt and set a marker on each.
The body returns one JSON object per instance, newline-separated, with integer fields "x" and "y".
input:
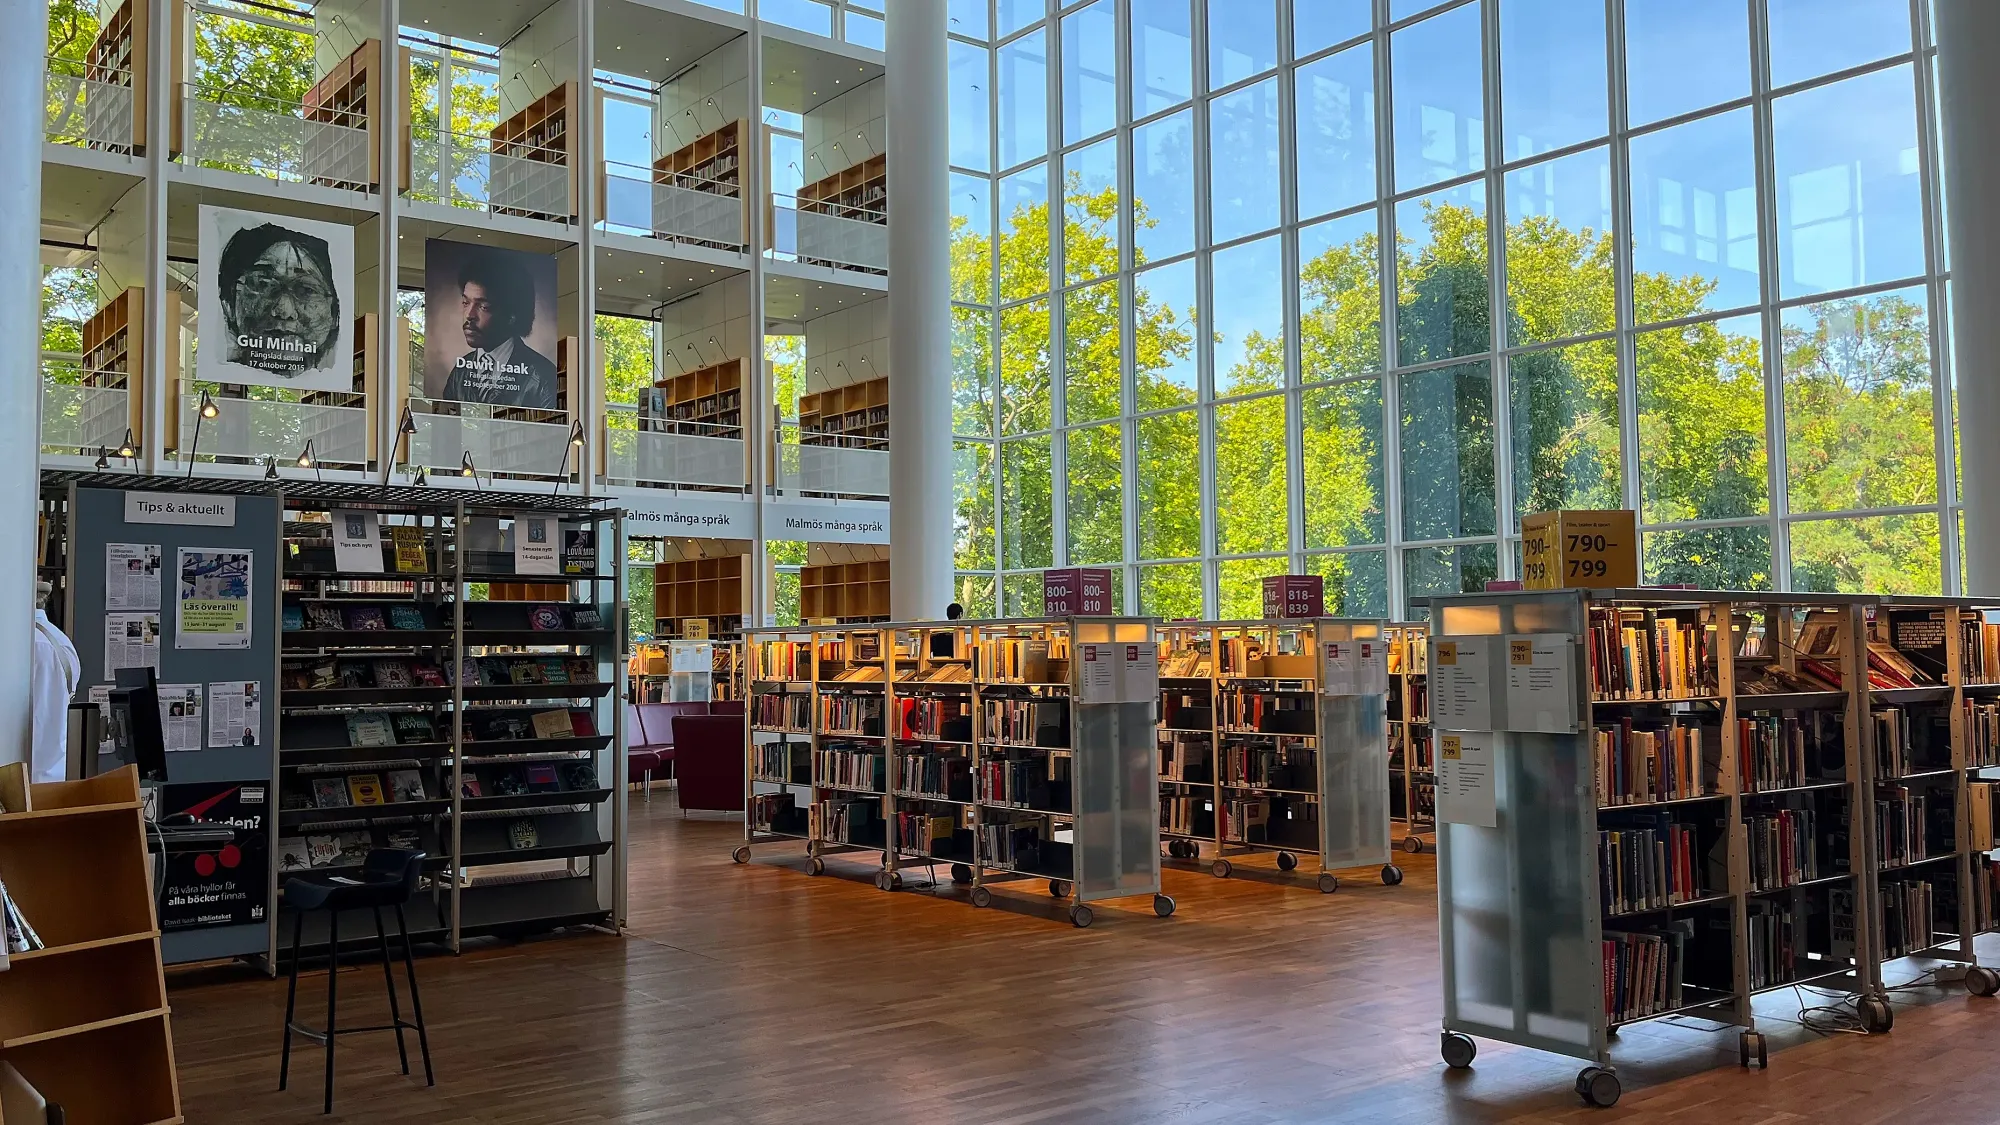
{"x": 56, "y": 673}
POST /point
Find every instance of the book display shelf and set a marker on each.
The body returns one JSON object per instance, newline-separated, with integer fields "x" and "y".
{"x": 1412, "y": 770}
{"x": 118, "y": 58}
{"x": 851, "y": 593}
{"x": 711, "y": 163}
{"x": 1008, "y": 751}
{"x": 859, "y": 192}
{"x": 855, "y": 416}
{"x": 674, "y": 671}
{"x": 480, "y": 731}
{"x": 540, "y": 132}
{"x": 114, "y": 359}
{"x": 713, "y": 591}
{"x": 1655, "y": 803}
{"x": 705, "y": 402}
{"x": 1260, "y": 755}
{"x": 350, "y": 95}
{"x": 84, "y": 1016}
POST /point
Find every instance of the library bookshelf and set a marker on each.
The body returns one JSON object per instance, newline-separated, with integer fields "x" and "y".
{"x": 1735, "y": 776}
{"x": 712, "y": 591}
{"x": 684, "y": 671}
{"x": 85, "y": 1018}
{"x": 705, "y": 402}
{"x": 712, "y": 163}
{"x": 846, "y": 592}
{"x": 114, "y": 358}
{"x": 1008, "y": 751}
{"x": 118, "y": 58}
{"x": 1259, "y": 755}
{"x": 1412, "y": 772}
{"x": 542, "y": 132}
{"x": 859, "y": 192}
{"x": 354, "y": 94}
{"x": 854, "y": 416}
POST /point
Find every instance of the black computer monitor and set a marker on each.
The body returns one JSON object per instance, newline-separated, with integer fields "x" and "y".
{"x": 135, "y": 723}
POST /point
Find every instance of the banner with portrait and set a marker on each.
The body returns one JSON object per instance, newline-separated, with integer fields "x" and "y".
{"x": 276, "y": 302}
{"x": 489, "y": 325}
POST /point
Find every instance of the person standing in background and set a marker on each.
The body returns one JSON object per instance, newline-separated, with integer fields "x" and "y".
{"x": 56, "y": 673}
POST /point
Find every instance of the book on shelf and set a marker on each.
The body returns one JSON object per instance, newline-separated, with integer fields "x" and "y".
{"x": 353, "y": 674}
{"x": 545, "y": 618}
{"x": 522, "y": 834}
{"x": 581, "y": 669}
{"x": 1645, "y": 971}
{"x": 541, "y": 778}
{"x": 324, "y": 615}
{"x": 1788, "y": 750}
{"x": 1640, "y": 762}
{"x": 553, "y": 724}
{"x": 293, "y": 855}
{"x": 20, "y": 933}
{"x": 1015, "y": 660}
{"x": 554, "y": 669}
{"x": 370, "y": 729}
{"x": 526, "y": 672}
{"x": 423, "y": 673}
{"x": 582, "y": 724}
{"x": 1784, "y": 848}
{"x": 413, "y": 727}
{"x": 406, "y": 786}
{"x": 351, "y": 848}
{"x": 1645, "y": 654}
{"x": 1246, "y": 820}
{"x": 510, "y": 781}
{"x": 926, "y": 833}
{"x": 409, "y": 547}
{"x": 1039, "y": 784}
{"x": 585, "y": 617}
{"x": 407, "y": 839}
{"x": 329, "y": 793}
{"x": 392, "y": 672}
{"x": 322, "y": 851}
{"x": 292, "y": 618}
{"x": 1773, "y": 679}
{"x": 578, "y": 777}
{"x": 471, "y": 787}
{"x": 405, "y": 617}
{"x": 365, "y": 789}
{"x": 291, "y": 798}
{"x": 1027, "y": 722}
{"x": 945, "y": 776}
{"x": 366, "y": 618}
{"x": 851, "y": 769}
{"x": 1909, "y": 916}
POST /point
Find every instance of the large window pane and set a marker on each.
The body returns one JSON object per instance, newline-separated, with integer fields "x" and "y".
{"x": 971, "y": 239}
{"x": 1357, "y": 582}
{"x": 1319, "y": 24}
{"x": 1437, "y": 66}
{"x": 1169, "y": 592}
{"x": 1872, "y": 555}
{"x": 1850, "y": 200}
{"x": 1710, "y": 558}
{"x": 1090, "y": 211}
{"x": 1163, "y": 188}
{"x": 1024, "y": 504}
{"x": 1094, "y": 521}
{"x": 1163, "y": 319}
{"x": 1694, "y": 216}
{"x": 971, "y": 123}
{"x": 1441, "y": 275}
{"x": 972, "y": 516}
{"x": 1240, "y": 586}
{"x": 1024, "y": 368}
{"x": 1242, "y": 40}
{"x": 1431, "y": 571}
{"x": 1243, "y": 176}
{"x": 971, "y": 372}
{"x": 1561, "y": 272}
{"x": 1024, "y": 233}
{"x": 1091, "y": 371}
{"x": 1563, "y": 407}
{"x": 1701, "y": 421}
{"x": 1552, "y": 75}
{"x": 1169, "y": 486}
{"x": 1682, "y": 55}
{"x": 1814, "y": 37}
{"x": 1858, "y": 428}
{"x": 1447, "y": 452}
{"x": 1089, "y": 71}
{"x": 1341, "y": 430}
{"x": 1336, "y": 131}
{"x": 1013, "y": 15}
{"x": 968, "y": 18}
{"x": 1250, "y": 478}
{"x": 1249, "y": 316}
{"x": 1340, "y": 298}
{"x": 975, "y": 592}
{"x": 1024, "y": 99}
{"x": 1023, "y": 595}
{"x": 1162, "y": 55}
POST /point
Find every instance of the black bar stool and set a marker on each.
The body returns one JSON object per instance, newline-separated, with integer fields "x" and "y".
{"x": 388, "y": 878}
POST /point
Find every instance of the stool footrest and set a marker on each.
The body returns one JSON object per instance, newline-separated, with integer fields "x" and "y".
{"x": 318, "y": 1036}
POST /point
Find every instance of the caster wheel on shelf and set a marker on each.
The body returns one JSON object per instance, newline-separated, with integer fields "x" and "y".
{"x": 1328, "y": 883}
{"x": 982, "y": 897}
{"x": 1080, "y": 916}
{"x": 1598, "y": 1087}
{"x": 1287, "y": 861}
{"x": 1058, "y": 889}
{"x": 1173, "y": 849}
{"x": 1391, "y": 875}
{"x": 815, "y": 866}
{"x": 1413, "y": 844}
{"x": 1458, "y": 1050}
{"x": 1876, "y": 1015}
{"x": 1982, "y": 981}
{"x": 1750, "y": 1045}
{"x": 741, "y": 854}
{"x": 961, "y": 874}
{"x": 1220, "y": 869}
{"x": 881, "y": 880}
{"x": 1163, "y": 905}
{"x": 895, "y": 880}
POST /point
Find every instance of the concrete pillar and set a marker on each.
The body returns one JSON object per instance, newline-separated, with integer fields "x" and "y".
{"x": 1968, "y": 35}
{"x": 920, "y": 455}
{"x": 21, "y": 109}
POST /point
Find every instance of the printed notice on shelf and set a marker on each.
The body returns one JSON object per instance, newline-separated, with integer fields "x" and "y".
{"x": 1138, "y": 672}
{"x": 1371, "y": 666}
{"x": 235, "y": 712}
{"x": 131, "y": 640}
{"x": 131, "y": 576}
{"x": 1462, "y": 683}
{"x": 214, "y": 604}
{"x": 1465, "y": 780}
{"x": 535, "y": 546}
{"x": 180, "y": 716}
{"x": 1336, "y": 667}
{"x": 1098, "y": 673}
{"x": 357, "y": 541}
{"x": 1541, "y": 693}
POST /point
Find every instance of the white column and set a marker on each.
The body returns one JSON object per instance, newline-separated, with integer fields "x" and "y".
{"x": 21, "y": 109}
{"x": 920, "y": 466}
{"x": 1968, "y": 34}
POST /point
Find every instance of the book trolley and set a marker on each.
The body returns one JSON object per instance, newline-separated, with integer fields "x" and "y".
{"x": 1659, "y": 802}
{"x": 1412, "y": 771}
{"x": 1008, "y": 750}
{"x": 1273, "y": 741}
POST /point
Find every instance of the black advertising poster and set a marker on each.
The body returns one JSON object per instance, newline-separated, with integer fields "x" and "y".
{"x": 216, "y": 884}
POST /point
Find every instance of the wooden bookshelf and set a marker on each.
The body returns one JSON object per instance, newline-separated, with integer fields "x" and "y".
{"x": 705, "y": 402}
{"x": 350, "y": 95}
{"x": 568, "y": 390}
{"x": 541, "y": 132}
{"x": 527, "y": 592}
{"x": 713, "y": 590}
{"x": 859, "y": 191}
{"x": 118, "y": 58}
{"x": 85, "y": 1019}
{"x": 855, "y": 416}
{"x": 1412, "y": 770}
{"x": 712, "y": 163}
{"x": 114, "y": 358}
{"x": 850, "y": 592}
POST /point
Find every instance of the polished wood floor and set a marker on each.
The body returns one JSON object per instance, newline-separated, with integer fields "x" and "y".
{"x": 758, "y": 995}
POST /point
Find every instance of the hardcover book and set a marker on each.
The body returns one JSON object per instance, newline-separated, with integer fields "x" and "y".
{"x": 406, "y": 786}
{"x": 329, "y": 793}
{"x": 292, "y": 619}
{"x": 409, "y": 544}
{"x": 322, "y": 851}
{"x": 585, "y": 617}
{"x": 366, "y": 619}
{"x": 391, "y": 672}
{"x": 405, "y": 617}
{"x": 579, "y": 776}
{"x": 552, "y": 724}
{"x": 414, "y": 726}
{"x": 522, "y": 835}
{"x": 425, "y": 674}
{"x": 544, "y": 618}
{"x": 370, "y": 729}
{"x": 325, "y": 674}
{"x": 366, "y": 788}
{"x": 470, "y": 787}
{"x": 542, "y": 778}
{"x": 293, "y": 855}
{"x": 353, "y": 848}
{"x": 321, "y": 615}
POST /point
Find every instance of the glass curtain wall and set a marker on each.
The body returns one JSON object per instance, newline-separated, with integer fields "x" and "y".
{"x": 1347, "y": 287}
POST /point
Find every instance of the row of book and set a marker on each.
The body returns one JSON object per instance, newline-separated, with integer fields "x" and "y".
{"x": 1904, "y": 824}
{"x": 944, "y": 776}
{"x": 1642, "y": 654}
{"x": 781, "y": 761}
{"x": 1187, "y": 816}
{"x": 1191, "y": 711}
{"x": 1186, "y": 759}
{"x": 1256, "y": 711}
{"x": 929, "y": 834}
{"x": 850, "y": 769}
{"x": 1246, "y": 820}
{"x": 1982, "y": 733}
{"x": 848, "y": 822}
{"x": 1909, "y": 910}
{"x": 845, "y": 648}
{"x": 1644, "y": 972}
{"x": 1790, "y": 749}
{"x": 850, "y": 714}
{"x": 1649, "y": 864}
{"x": 1183, "y": 663}
{"x": 1026, "y": 845}
{"x": 782, "y": 711}
{"x": 944, "y": 719}
{"x": 1027, "y": 722}
{"x": 777, "y": 812}
{"x": 1777, "y": 941}
{"x": 1982, "y": 652}
{"x": 1907, "y": 742}
{"x": 1024, "y": 660}
{"x": 355, "y": 618}
{"x": 339, "y": 849}
{"x": 395, "y": 672}
{"x": 786, "y": 661}
{"x": 1784, "y": 848}
{"x": 1039, "y": 784}
{"x": 357, "y": 790}
{"x": 1284, "y": 765}
{"x": 1639, "y": 765}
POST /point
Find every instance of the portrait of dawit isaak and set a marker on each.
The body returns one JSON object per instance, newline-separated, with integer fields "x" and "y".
{"x": 279, "y": 300}
{"x": 498, "y": 307}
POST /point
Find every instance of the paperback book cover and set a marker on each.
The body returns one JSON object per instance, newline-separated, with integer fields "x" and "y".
{"x": 507, "y": 727}
{"x": 414, "y": 726}
{"x": 293, "y": 676}
{"x": 406, "y": 786}
{"x": 405, "y": 617}
{"x": 293, "y": 855}
{"x": 585, "y": 617}
{"x": 553, "y": 724}
{"x": 581, "y": 670}
{"x": 470, "y": 787}
{"x": 370, "y": 729}
{"x": 325, "y": 674}
{"x": 425, "y": 674}
{"x": 354, "y": 675}
{"x": 553, "y": 669}
{"x": 322, "y": 615}
{"x": 322, "y": 851}
{"x": 293, "y": 799}
{"x": 329, "y": 793}
{"x": 353, "y": 848}
{"x": 545, "y": 618}
{"x": 409, "y": 544}
{"x": 521, "y": 834}
{"x": 366, "y": 788}
{"x": 494, "y": 670}
{"x": 510, "y": 782}
{"x": 542, "y": 778}
{"x": 582, "y": 724}
{"x": 579, "y": 776}
{"x": 292, "y": 619}
{"x": 579, "y": 550}
{"x": 391, "y": 672}
{"x": 366, "y": 619}
{"x": 408, "y": 839}
{"x": 526, "y": 672}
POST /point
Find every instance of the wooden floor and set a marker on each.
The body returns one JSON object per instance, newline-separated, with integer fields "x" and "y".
{"x": 758, "y": 995}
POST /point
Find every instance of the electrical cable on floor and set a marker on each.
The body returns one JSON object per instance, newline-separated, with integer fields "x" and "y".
{"x": 1841, "y": 1017}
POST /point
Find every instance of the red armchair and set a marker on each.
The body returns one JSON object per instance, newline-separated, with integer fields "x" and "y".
{"x": 709, "y": 762}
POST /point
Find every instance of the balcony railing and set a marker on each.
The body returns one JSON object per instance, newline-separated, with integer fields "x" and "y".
{"x": 496, "y": 445}
{"x": 77, "y": 418}
{"x": 253, "y": 429}
{"x": 463, "y": 171}
{"x": 819, "y": 238}
{"x": 262, "y": 136}
{"x": 859, "y": 469}
{"x": 687, "y": 456}
{"x": 684, "y": 214}
{"x": 88, "y": 107}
